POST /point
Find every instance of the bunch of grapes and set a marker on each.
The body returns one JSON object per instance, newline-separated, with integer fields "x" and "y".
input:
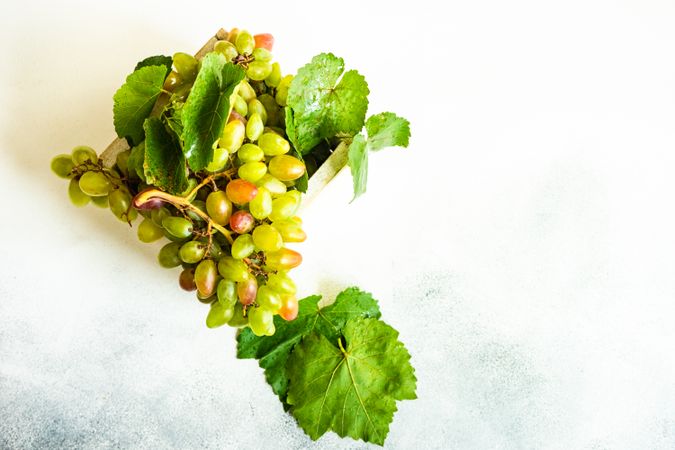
{"x": 228, "y": 230}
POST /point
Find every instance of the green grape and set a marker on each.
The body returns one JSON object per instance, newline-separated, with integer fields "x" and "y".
{"x": 206, "y": 299}
{"x": 260, "y": 320}
{"x": 272, "y": 144}
{"x": 286, "y": 167}
{"x": 149, "y": 232}
{"x": 220, "y": 159}
{"x": 192, "y": 252}
{"x": 95, "y": 184}
{"x": 200, "y": 205}
{"x": 254, "y": 127}
{"x": 246, "y": 91}
{"x": 273, "y": 112}
{"x": 157, "y": 215}
{"x": 101, "y": 202}
{"x": 192, "y": 183}
{"x": 233, "y": 136}
{"x": 240, "y": 105}
{"x": 227, "y": 293}
{"x": 215, "y": 250}
{"x": 83, "y": 154}
{"x": 261, "y": 206}
{"x": 238, "y": 319}
{"x": 120, "y": 205}
{"x": 281, "y": 283}
{"x": 290, "y": 230}
{"x": 247, "y": 290}
{"x": 250, "y": 152}
{"x": 252, "y": 171}
{"x": 219, "y": 207}
{"x": 178, "y": 227}
{"x": 262, "y": 54}
{"x": 274, "y": 78}
{"x": 273, "y": 185}
{"x": 77, "y": 197}
{"x": 259, "y": 70}
{"x": 284, "y": 207}
{"x": 168, "y": 256}
{"x": 267, "y": 238}
{"x": 226, "y": 48}
{"x": 218, "y": 315}
{"x": 243, "y": 246}
{"x": 255, "y": 106}
{"x": 233, "y": 269}
{"x": 268, "y": 299}
{"x": 245, "y": 42}
{"x": 122, "y": 162}
{"x": 281, "y": 96}
{"x": 62, "y": 165}
{"x": 206, "y": 277}
{"x": 186, "y": 66}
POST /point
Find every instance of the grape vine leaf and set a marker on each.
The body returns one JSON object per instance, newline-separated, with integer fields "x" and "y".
{"x": 350, "y": 389}
{"x": 164, "y": 164}
{"x": 273, "y": 351}
{"x": 157, "y": 60}
{"x": 384, "y": 130}
{"x": 207, "y": 108}
{"x": 134, "y": 101}
{"x": 325, "y": 102}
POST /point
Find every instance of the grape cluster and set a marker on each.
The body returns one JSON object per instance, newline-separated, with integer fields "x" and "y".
{"x": 228, "y": 230}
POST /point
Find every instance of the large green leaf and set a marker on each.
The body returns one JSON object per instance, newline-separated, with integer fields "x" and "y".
{"x": 134, "y": 101}
{"x": 207, "y": 108}
{"x": 350, "y": 389}
{"x": 273, "y": 351}
{"x": 358, "y": 164}
{"x": 164, "y": 165}
{"x": 157, "y": 60}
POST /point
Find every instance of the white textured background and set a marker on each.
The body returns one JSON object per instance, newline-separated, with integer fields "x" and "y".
{"x": 524, "y": 245}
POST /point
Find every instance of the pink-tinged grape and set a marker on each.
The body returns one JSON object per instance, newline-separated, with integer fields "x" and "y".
{"x": 252, "y": 171}
{"x": 149, "y": 232}
{"x": 226, "y": 48}
{"x": 258, "y": 70}
{"x": 233, "y": 136}
{"x": 290, "y": 231}
{"x": 206, "y": 276}
{"x": 284, "y": 207}
{"x": 289, "y": 307}
{"x": 272, "y": 144}
{"x": 268, "y": 299}
{"x": 284, "y": 259}
{"x": 245, "y": 42}
{"x": 168, "y": 256}
{"x": 286, "y": 167}
{"x": 281, "y": 283}
{"x": 234, "y": 115}
{"x": 219, "y": 315}
{"x": 192, "y": 252}
{"x": 242, "y": 222}
{"x": 186, "y": 279}
{"x": 261, "y": 321}
{"x": 227, "y": 293}
{"x": 178, "y": 227}
{"x": 247, "y": 291}
{"x": 243, "y": 246}
{"x": 254, "y": 127}
{"x": 275, "y": 186}
{"x": 247, "y": 93}
{"x": 256, "y": 107}
{"x": 250, "y": 153}
{"x": 219, "y": 207}
{"x": 95, "y": 184}
{"x": 241, "y": 191}
{"x": 261, "y": 205}
{"x": 77, "y": 197}
{"x": 267, "y": 238}
{"x": 62, "y": 165}
{"x": 264, "y": 40}
{"x": 83, "y": 154}
{"x": 238, "y": 319}
{"x": 233, "y": 269}
{"x": 274, "y": 78}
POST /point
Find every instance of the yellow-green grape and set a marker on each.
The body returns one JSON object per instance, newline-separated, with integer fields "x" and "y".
{"x": 233, "y": 136}
{"x": 233, "y": 269}
{"x": 261, "y": 206}
{"x": 254, "y": 127}
{"x": 240, "y": 105}
{"x": 206, "y": 276}
{"x": 273, "y": 112}
{"x": 238, "y": 319}
{"x": 149, "y": 232}
{"x": 219, "y": 315}
{"x": 284, "y": 207}
{"x": 246, "y": 91}
{"x": 220, "y": 158}
{"x": 245, "y": 42}
{"x": 267, "y": 238}
{"x": 282, "y": 90}
{"x": 243, "y": 246}
{"x": 272, "y": 184}
{"x": 83, "y": 154}
{"x": 95, "y": 184}
{"x": 232, "y": 35}
{"x": 120, "y": 205}
{"x": 272, "y": 144}
{"x": 186, "y": 66}
{"x": 192, "y": 252}
{"x": 290, "y": 230}
{"x": 157, "y": 215}
{"x": 286, "y": 167}
{"x": 274, "y": 78}
{"x": 254, "y": 106}
{"x": 121, "y": 162}
{"x": 227, "y": 293}
{"x": 281, "y": 283}
{"x": 77, "y": 197}
{"x": 252, "y": 171}
{"x": 62, "y": 165}
{"x": 226, "y": 48}
{"x": 268, "y": 299}
{"x": 168, "y": 256}
{"x": 259, "y": 70}
{"x": 250, "y": 153}
{"x": 219, "y": 207}
{"x": 178, "y": 227}
{"x": 261, "y": 321}
{"x": 101, "y": 202}
{"x": 262, "y": 54}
